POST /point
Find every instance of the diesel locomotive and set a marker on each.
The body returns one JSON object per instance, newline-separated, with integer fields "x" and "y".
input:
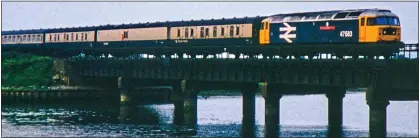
{"x": 351, "y": 32}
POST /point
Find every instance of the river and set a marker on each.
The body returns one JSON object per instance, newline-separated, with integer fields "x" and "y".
{"x": 300, "y": 116}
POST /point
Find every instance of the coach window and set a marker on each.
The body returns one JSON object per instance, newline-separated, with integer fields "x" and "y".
{"x": 231, "y": 30}
{"x": 222, "y": 31}
{"x": 237, "y": 30}
{"x": 186, "y": 32}
{"x": 125, "y": 35}
{"x": 206, "y": 32}
{"x": 214, "y": 31}
{"x": 202, "y": 32}
{"x": 85, "y": 36}
{"x": 82, "y": 36}
{"x": 24, "y": 38}
{"x": 29, "y": 38}
{"x": 72, "y": 36}
{"x": 77, "y": 36}
{"x": 178, "y": 32}
{"x": 192, "y": 33}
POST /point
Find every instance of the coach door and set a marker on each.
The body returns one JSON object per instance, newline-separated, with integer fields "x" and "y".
{"x": 264, "y": 32}
{"x": 362, "y": 29}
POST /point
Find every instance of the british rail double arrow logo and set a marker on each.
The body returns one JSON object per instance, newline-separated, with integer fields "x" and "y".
{"x": 287, "y": 34}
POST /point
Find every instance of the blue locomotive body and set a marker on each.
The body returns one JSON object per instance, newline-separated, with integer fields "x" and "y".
{"x": 341, "y": 31}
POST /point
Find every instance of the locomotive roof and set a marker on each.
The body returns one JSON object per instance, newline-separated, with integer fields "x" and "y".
{"x": 330, "y": 12}
{"x": 325, "y": 14}
{"x": 140, "y": 25}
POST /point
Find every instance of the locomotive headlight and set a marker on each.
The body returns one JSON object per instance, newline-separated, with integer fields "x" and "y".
{"x": 394, "y": 32}
{"x": 384, "y": 32}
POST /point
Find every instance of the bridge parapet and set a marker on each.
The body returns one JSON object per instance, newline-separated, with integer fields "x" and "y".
{"x": 393, "y": 73}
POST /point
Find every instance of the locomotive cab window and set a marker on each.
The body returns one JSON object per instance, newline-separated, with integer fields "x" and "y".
{"x": 370, "y": 21}
{"x": 362, "y": 21}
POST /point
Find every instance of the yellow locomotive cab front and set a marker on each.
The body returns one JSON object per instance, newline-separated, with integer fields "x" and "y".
{"x": 379, "y": 29}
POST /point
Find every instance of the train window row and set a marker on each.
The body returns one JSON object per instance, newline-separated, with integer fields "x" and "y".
{"x": 26, "y": 38}
{"x": 67, "y": 37}
{"x": 205, "y": 31}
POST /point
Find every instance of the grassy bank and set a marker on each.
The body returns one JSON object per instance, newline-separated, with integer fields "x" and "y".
{"x": 21, "y": 70}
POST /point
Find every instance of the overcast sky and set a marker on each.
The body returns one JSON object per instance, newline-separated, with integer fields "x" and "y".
{"x": 35, "y": 15}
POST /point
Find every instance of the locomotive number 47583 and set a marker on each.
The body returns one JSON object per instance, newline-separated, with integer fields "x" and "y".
{"x": 345, "y": 33}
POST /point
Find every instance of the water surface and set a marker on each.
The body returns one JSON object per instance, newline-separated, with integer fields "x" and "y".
{"x": 300, "y": 116}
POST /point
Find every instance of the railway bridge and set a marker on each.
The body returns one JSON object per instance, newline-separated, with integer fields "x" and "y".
{"x": 385, "y": 79}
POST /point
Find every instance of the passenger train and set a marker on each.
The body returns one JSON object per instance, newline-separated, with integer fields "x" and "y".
{"x": 342, "y": 32}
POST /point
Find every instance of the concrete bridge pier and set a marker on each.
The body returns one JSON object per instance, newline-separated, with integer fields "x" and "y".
{"x": 177, "y": 99}
{"x": 378, "y": 102}
{"x": 248, "y": 122}
{"x": 272, "y": 98}
{"x": 125, "y": 91}
{"x": 335, "y": 117}
{"x": 190, "y": 104}
{"x": 185, "y": 94}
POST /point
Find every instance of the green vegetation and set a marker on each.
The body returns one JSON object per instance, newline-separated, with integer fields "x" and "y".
{"x": 25, "y": 70}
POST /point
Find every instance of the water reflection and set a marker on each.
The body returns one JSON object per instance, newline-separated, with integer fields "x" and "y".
{"x": 300, "y": 116}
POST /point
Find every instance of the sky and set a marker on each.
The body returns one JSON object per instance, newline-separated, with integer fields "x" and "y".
{"x": 35, "y": 15}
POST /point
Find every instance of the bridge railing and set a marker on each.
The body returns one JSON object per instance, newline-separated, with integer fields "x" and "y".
{"x": 409, "y": 51}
